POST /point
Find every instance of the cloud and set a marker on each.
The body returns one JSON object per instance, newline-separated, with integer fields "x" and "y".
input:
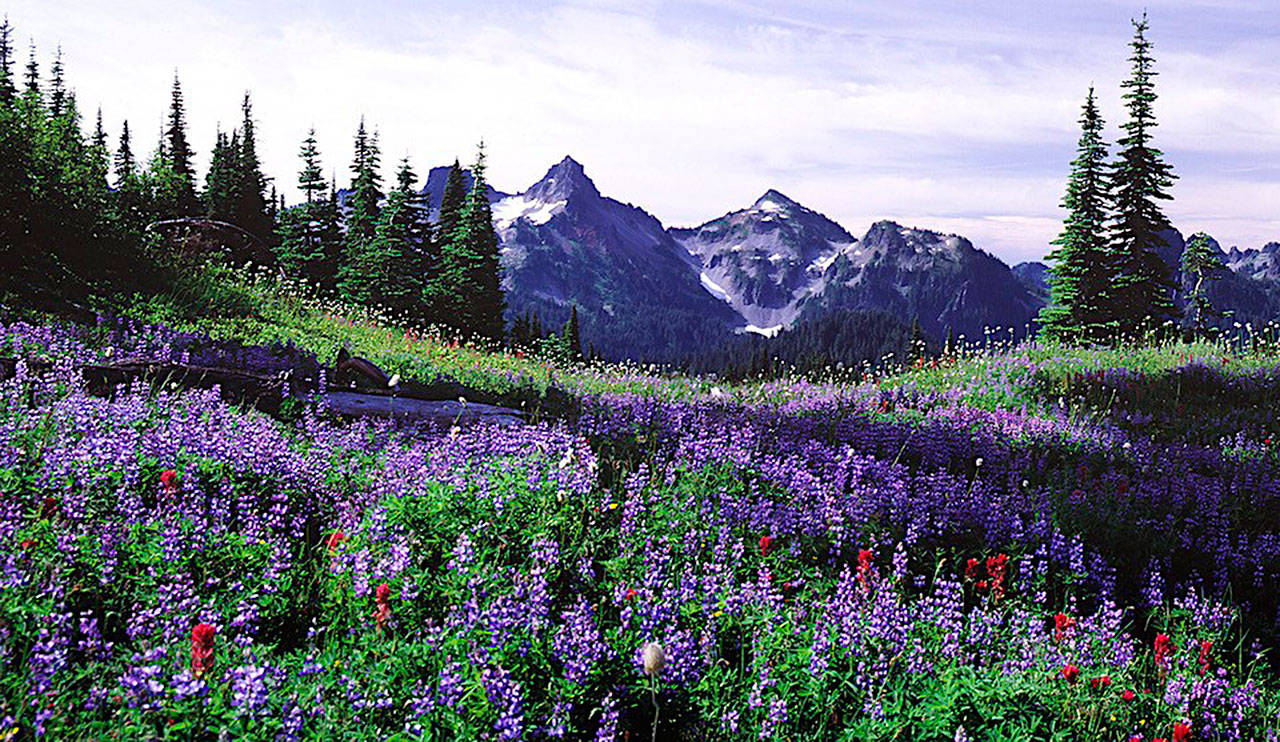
{"x": 961, "y": 118}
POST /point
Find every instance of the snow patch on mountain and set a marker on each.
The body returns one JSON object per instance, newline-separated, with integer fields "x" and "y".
{"x": 535, "y": 211}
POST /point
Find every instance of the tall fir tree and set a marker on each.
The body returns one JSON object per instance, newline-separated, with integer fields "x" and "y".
{"x": 1080, "y": 277}
{"x": 573, "y": 335}
{"x": 253, "y": 209}
{"x": 361, "y": 264}
{"x": 1140, "y": 177}
{"x": 470, "y": 259}
{"x": 311, "y": 178}
{"x": 301, "y": 247}
{"x": 220, "y": 181}
{"x": 399, "y": 282}
{"x": 8, "y": 90}
{"x": 451, "y": 202}
{"x": 178, "y": 152}
{"x": 57, "y": 87}
{"x": 125, "y": 163}
{"x": 1200, "y": 263}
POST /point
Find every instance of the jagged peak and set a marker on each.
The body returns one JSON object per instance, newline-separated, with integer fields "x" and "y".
{"x": 775, "y": 198}
{"x": 566, "y": 178}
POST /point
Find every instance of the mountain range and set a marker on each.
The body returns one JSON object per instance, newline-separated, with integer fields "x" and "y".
{"x": 646, "y": 291}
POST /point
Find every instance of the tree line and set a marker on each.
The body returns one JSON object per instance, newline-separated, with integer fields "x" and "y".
{"x": 75, "y": 210}
{"x": 1108, "y": 279}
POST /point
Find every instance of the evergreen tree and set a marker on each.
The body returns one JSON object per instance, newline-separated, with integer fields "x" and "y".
{"x": 220, "y": 182}
{"x": 125, "y": 164}
{"x": 361, "y": 264}
{"x": 451, "y": 202}
{"x": 308, "y": 232}
{"x": 1200, "y": 260}
{"x": 311, "y": 178}
{"x": 8, "y": 91}
{"x": 179, "y": 155}
{"x": 572, "y": 334}
{"x": 1080, "y": 278}
{"x": 252, "y": 207}
{"x": 1142, "y": 285}
{"x": 465, "y": 291}
{"x": 57, "y": 87}
{"x": 399, "y": 280}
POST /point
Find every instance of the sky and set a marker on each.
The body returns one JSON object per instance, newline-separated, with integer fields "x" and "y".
{"x": 954, "y": 116}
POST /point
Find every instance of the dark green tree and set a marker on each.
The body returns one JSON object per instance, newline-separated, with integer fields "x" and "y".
{"x": 1142, "y": 286}
{"x": 451, "y": 202}
{"x": 465, "y": 291}
{"x": 8, "y": 91}
{"x": 57, "y": 87}
{"x": 573, "y": 334}
{"x": 361, "y": 263}
{"x": 311, "y": 177}
{"x": 221, "y": 181}
{"x": 1080, "y": 277}
{"x": 1201, "y": 262}
{"x": 178, "y": 153}
{"x": 252, "y": 207}
{"x": 125, "y": 164}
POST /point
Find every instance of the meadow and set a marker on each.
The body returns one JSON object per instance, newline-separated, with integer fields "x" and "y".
{"x": 1023, "y": 542}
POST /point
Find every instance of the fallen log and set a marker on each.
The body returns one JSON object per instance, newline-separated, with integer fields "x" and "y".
{"x": 267, "y": 392}
{"x": 443, "y": 412}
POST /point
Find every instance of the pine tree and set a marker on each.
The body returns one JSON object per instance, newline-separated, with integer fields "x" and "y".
{"x": 311, "y": 178}
{"x": 179, "y": 155}
{"x": 125, "y": 164}
{"x": 399, "y": 280}
{"x": 57, "y": 87}
{"x": 1200, "y": 260}
{"x": 252, "y": 207}
{"x": 465, "y": 291}
{"x": 99, "y": 162}
{"x": 572, "y": 334}
{"x": 301, "y": 246}
{"x": 8, "y": 91}
{"x": 220, "y": 182}
{"x": 1080, "y": 278}
{"x": 361, "y": 264}
{"x": 1140, "y": 177}
{"x": 451, "y": 202}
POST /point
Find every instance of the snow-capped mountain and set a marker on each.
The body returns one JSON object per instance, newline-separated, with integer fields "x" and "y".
{"x": 565, "y": 244}
{"x": 940, "y": 279}
{"x": 1261, "y": 264}
{"x": 764, "y": 260}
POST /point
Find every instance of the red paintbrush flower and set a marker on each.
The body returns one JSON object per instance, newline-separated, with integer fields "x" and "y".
{"x": 1061, "y": 624}
{"x": 997, "y": 569}
{"x": 1205, "y": 660}
{"x": 1163, "y": 648}
{"x": 1100, "y": 682}
{"x": 631, "y": 593}
{"x": 382, "y": 597}
{"x": 1070, "y": 673}
{"x": 202, "y": 648}
{"x": 765, "y": 543}
{"x": 1181, "y": 732}
{"x": 866, "y": 568}
{"x": 971, "y": 568}
{"x": 49, "y": 508}
{"x": 1128, "y": 695}
{"x": 169, "y": 478}
{"x": 335, "y": 540}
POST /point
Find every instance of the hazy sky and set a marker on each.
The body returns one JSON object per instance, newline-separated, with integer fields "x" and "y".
{"x": 955, "y": 116}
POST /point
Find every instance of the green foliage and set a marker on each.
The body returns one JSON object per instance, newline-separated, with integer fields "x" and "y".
{"x": 1080, "y": 278}
{"x": 465, "y": 290}
{"x": 1201, "y": 261}
{"x": 1140, "y": 179}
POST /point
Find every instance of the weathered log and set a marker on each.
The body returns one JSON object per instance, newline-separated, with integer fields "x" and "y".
{"x": 444, "y": 412}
